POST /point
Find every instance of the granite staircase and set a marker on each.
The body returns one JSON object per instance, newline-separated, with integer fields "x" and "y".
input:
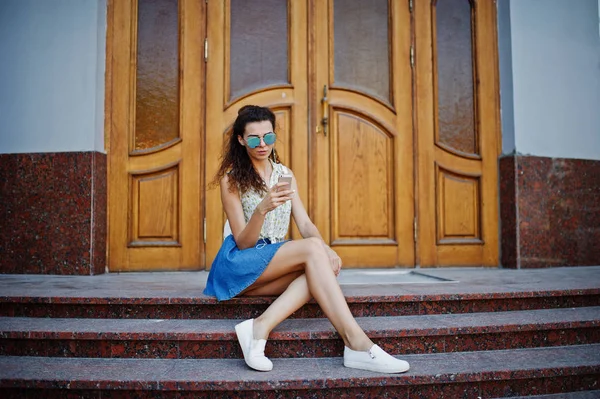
{"x": 476, "y": 333}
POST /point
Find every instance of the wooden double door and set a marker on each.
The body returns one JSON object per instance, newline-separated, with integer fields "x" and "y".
{"x": 387, "y": 112}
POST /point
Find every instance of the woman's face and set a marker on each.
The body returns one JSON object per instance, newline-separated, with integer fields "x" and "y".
{"x": 253, "y": 131}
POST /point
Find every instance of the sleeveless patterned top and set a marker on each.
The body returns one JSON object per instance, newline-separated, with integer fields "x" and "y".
{"x": 277, "y": 221}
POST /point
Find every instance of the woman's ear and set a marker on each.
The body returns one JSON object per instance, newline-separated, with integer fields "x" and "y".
{"x": 240, "y": 140}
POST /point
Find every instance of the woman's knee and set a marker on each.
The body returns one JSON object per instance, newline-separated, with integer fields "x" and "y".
{"x": 313, "y": 248}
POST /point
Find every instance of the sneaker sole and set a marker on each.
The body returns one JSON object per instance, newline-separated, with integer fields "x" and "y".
{"x": 372, "y": 367}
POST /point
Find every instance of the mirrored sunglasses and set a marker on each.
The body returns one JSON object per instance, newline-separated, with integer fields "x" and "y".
{"x": 254, "y": 141}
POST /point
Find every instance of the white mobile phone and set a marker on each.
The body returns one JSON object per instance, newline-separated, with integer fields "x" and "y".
{"x": 285, "y": 179}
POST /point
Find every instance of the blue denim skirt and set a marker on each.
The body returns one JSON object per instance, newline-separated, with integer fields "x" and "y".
{"x": 234, "y": 270}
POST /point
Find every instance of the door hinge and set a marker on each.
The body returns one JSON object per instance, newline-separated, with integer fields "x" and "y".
{"x": 205, "y": 49}
{"x": 204, "y": 230}
{"x": 410, "y": 5}
{"x": 415, "y": 229}
{"x": 412, "y": 56}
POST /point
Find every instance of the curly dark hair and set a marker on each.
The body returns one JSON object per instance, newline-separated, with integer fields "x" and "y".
{"x": 235, "y": 160}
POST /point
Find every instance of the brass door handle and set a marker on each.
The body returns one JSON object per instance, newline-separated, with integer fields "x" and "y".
{"x": 325, "y": 105}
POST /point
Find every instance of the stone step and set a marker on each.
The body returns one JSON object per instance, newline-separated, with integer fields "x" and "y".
{"x": 486, "y": 374}
{"x": 366, "y": 302}
{"x": 198, "y": 339}
{"x": 564, "y": 395}
{"x": 368, "y": 292}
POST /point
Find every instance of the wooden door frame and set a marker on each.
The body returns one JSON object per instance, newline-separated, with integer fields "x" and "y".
{"x": 320, "y": 145}
{"x": 487, "y": 95}
{"x": 117, "y": 123}
{"x": 310, "y": 175}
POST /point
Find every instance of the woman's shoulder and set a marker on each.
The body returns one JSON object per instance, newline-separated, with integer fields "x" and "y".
{"x": 225, "y": 179}
{"x": 228, "y": 184}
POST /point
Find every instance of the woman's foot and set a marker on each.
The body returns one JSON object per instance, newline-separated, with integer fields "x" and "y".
{"x": 374, "y": 359}
{"x": 253, "y": 349}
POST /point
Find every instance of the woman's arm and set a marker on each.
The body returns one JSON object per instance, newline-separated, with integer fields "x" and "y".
{"x": 308, "y": 229}
{"x": 246, "y": 235}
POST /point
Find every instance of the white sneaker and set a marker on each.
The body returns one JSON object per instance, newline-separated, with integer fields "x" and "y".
{"x": 253, "y": 349}
{"x": 375, "y": 359}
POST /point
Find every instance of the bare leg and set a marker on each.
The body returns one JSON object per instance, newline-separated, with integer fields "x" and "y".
{"x": 294, "y": 293}
{"x": 275, "y": 287}
{"x": 292, "y": 299}
{"x": 318, "y": 280}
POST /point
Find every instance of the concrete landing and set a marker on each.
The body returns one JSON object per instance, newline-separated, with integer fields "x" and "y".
{"x": 354, "y": 282}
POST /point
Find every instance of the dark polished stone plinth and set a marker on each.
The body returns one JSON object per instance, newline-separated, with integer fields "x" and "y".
{"x": 53, "y": 213}
{"x": 550, "y": 211}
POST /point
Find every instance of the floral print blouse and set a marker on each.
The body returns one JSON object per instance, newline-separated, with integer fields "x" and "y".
{"x": 277, "y": 221}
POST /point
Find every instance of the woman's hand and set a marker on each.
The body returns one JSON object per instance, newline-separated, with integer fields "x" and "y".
{"x": 334, "y": 260}
{"x": 275, "y": 197}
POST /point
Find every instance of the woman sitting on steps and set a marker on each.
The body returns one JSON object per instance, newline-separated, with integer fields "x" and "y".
{"x": 256, "y": 260}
